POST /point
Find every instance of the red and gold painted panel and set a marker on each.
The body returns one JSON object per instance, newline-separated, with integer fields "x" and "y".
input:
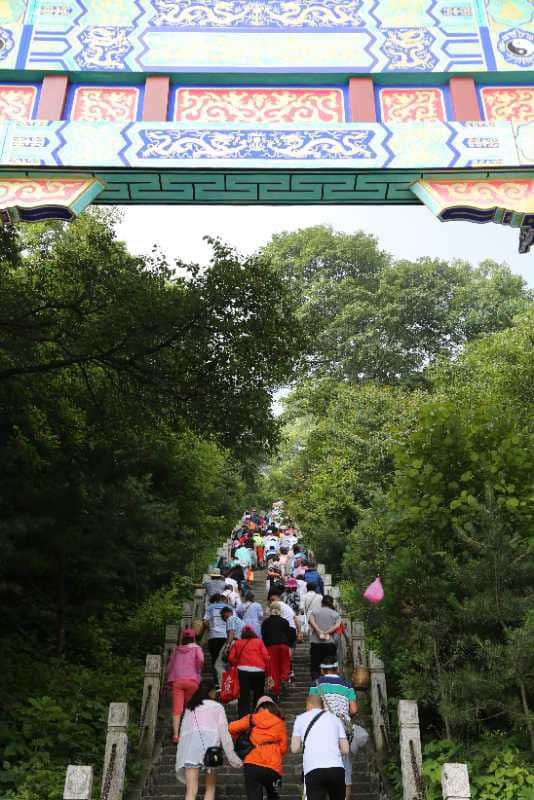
{"x": 259, "y": 105}
{"x": 507, "y": 201}
{"x": 17, "y": 102}
{"x": 105, "y": 103}
{"x": 412, "y": 105}
{"x": 512, "y": 103}
{"x": 33, "y": 199}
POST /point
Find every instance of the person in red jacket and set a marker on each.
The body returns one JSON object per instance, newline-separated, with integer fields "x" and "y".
{"x": 268, "y": 734}
{"x": 253, "y": 663}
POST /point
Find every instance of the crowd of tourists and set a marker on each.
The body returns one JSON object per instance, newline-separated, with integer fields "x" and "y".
{"x": 259, "y": 644}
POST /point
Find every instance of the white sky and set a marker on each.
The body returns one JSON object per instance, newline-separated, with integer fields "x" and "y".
{"x": 405, "y": 231}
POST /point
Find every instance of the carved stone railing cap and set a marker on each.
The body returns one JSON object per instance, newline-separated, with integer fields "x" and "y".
{"x": 375, "y": 663}
{"x": 171, "y": 633}
{"x": 118, "y": 715}
{"x": 408, "y": 712}
{"x": 78, "y": 783}
{"x": 321, "y": 569}
{"x": 358, "y": 630}
{"x": 455, "y": 781}
{"x": 153, "y": 665}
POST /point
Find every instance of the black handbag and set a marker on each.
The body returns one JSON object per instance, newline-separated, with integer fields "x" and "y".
{"x": 213, "y": 756}
{"x": 243, "y": 745}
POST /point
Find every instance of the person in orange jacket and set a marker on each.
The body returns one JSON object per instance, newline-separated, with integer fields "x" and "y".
{"x": 268, "y": 734}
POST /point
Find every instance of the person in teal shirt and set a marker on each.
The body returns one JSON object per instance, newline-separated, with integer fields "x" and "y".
{"x": 244, "y": 556}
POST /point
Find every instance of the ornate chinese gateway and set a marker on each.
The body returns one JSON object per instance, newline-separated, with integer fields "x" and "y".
{"x": 290, "y": 101}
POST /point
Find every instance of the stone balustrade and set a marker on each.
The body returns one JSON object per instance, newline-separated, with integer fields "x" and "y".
{"x": 150, "y": 703}
{"x": 116, "y": 752}
{"x": 454, "y": 777}
{"x": 455, "y": 782}
{"x": 79, "y": 779}
{"x": 78, "y": 783}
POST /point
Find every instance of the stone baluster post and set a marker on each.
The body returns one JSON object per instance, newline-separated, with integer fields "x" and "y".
{"x": 199, "y": 603}
{"x": 410, "y": 750}
{"x": 150, "y": 704}
{"x": 172, "y": 633}
{"x": 78, "y": 783}
{"x": 455, "y": 782}
{"x": 379, "y": 702}
{"x": 187, "y": 614}
{"x": 321, "y": 569}
{"x": 116, "y": 751}
{"x": 358, "y": 643}
{"x": 327, "y": 580}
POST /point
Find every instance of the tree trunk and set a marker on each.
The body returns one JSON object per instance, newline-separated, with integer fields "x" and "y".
{"x": 441, "y": 690}
{"x": 526, "y": 709}
{"x": 60, "y": 612}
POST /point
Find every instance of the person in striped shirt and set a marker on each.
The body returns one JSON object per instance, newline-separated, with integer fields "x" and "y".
{"x": 339, "y": 697}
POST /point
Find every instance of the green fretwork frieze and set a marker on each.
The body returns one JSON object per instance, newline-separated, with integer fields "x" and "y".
{"x": 267, "y": 187}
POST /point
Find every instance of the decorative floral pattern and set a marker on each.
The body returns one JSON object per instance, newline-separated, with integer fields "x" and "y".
{"x": 259, "y": 105}
{"x": 507, "y": 202}
{"x": 104, "y": 48}
{"x": 257, "y": 14}
{"x": 412, "y": 105}
{"x": 409, "y": 49}
{"x": 517, "y": 193}
{"x": 35, "y": 192}
{"x": 7, "y": 43}
{"x": 109, "y": 103}
{"x": 256, "y": 144}
{"x": 17, "y": 102}
{"x": 513, "y": 103}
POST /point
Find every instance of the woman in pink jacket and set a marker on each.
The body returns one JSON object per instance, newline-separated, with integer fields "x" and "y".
{"x": 183, "y": 674}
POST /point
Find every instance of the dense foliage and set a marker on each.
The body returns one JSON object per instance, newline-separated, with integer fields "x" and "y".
{"x": 407, "y": 452}
{"x": 370, "y": 317}
{"x": 133, "y": 397}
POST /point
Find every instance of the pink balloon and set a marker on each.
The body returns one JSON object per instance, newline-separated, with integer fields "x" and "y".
{"x": 374, "y": 592}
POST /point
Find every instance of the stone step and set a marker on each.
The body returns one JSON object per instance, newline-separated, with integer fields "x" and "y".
{"x": 230, "y": 785}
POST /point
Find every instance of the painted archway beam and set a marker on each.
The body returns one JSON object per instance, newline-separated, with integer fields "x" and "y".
{"x": 32, "y": 199}
{"x": 507, "y": 201}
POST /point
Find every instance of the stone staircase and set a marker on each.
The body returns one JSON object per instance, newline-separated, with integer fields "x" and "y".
{"x": 163, "y": 784}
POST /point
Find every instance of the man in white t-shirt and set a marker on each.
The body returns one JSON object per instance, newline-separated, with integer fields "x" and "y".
{"x": 324, "y": 741}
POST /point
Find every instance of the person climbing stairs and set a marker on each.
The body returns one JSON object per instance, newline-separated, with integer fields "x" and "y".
{"x": 163, "y": 784}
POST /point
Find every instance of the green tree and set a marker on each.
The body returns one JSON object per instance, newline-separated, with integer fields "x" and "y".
{"x": 369, "y": 317}
{"x": 455, "y": 534}
{"x": 337, "y": 456}
{"x": 128, "y": 394}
